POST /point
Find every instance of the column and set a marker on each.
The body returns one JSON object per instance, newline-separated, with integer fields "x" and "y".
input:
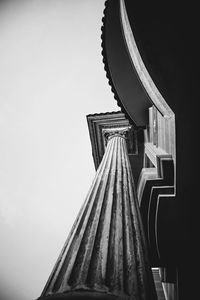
{"x": 105, "y": 255}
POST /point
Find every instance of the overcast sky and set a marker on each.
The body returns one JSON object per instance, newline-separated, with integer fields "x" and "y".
{"x": 51, "y": 77}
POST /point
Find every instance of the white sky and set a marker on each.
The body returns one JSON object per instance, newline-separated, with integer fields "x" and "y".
{"x": 51, "y": 77}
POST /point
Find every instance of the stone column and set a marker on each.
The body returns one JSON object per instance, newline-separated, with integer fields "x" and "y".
{"x": 105, "y": 254}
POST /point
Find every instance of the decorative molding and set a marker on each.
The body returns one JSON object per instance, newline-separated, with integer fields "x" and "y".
{"x": 100, "y": 125}
{"x": 113, "y": 132}
{"x": 155, "y": 187}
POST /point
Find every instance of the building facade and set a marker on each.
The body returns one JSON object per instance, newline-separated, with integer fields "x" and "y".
{"x": 136, "y": 224}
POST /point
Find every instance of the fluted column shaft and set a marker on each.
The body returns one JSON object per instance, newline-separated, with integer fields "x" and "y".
{"x": 105, "y": 254}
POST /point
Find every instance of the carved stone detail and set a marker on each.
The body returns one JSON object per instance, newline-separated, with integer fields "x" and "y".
{"x": 111, "y": 132}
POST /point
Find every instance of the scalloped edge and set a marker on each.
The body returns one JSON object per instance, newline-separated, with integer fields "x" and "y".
{"x": 106, "y": 67}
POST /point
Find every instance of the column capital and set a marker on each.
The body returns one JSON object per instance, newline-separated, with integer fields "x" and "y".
{"x": 112, "y": 132}
{"x": 104, "y": 126}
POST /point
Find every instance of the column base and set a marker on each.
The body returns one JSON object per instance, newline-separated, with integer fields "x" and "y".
{"x": 82, "y": 295}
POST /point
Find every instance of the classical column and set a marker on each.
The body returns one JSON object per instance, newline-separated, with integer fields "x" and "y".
{"x": 105, "y": 254}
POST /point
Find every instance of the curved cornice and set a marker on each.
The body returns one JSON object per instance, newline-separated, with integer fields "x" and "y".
{"x": 106, "y": 67}
{"x": 130, "y": 82}
{"x": 122, "y": 76}
{"x": 139, "y": 65}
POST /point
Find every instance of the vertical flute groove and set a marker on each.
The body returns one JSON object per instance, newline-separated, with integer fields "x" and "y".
{"x": 99, "y": 258}
{"x": 130, "y": 278}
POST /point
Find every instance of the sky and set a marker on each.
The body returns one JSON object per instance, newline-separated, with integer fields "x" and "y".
{"x": 51, "y": 77}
